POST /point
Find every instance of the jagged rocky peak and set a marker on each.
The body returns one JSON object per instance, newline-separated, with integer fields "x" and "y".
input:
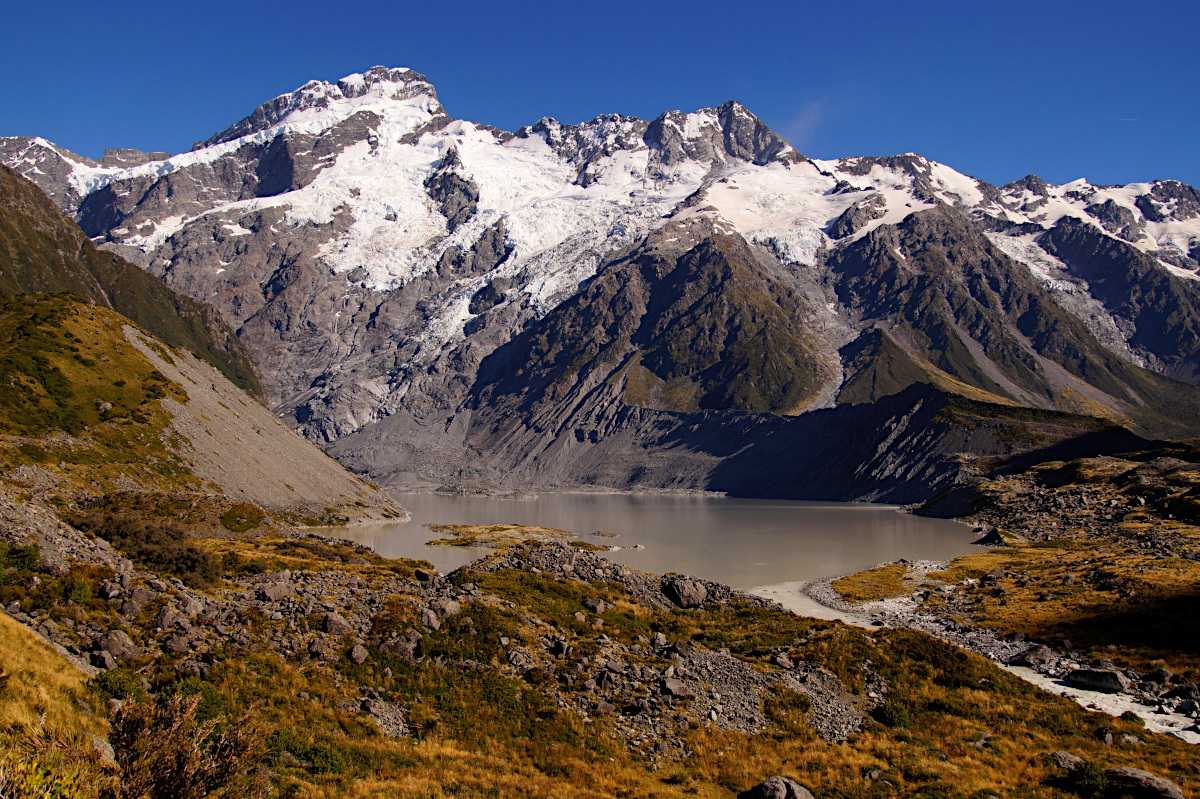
{"x": 1030, "y": 183}
{"x": 710, "y": 135}
{"x": 399, "y": 84}
{"x": 47, "y": 165}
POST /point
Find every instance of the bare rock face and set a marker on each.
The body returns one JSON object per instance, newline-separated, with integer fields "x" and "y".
{"x": 857, "y": 216}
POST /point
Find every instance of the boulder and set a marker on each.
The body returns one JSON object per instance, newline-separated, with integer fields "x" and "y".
{"x": 273, "y": 592}
{"x": 676, "y": 688}
{"x": 430, "y": 620}
{"x": 337, "y": 625}
{"x": 444, "y": 607}
{"x": 191, "y": 606}
{"x": 596, "y": 604}
{"x": 1141, "y": 784}
{"x": 776, "y": 788}
{"x": 178, "y": 644}
{"x": 1109, "y": 681}
{"x": 358, "y": 654}
{"x": 118, "y": 644}
{"x": 404, "y": 647}
{"x": 1065, "y": 760}
{"x": 169, "y": 617}
{"x": 685, "y": 593}
{"x": 1036, "y": 655}
{"x": 1160, "y": 676}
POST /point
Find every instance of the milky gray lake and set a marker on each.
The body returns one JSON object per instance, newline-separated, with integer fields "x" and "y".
{"x": 742, "y": 542}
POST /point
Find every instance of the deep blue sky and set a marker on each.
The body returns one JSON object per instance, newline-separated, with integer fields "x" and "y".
{"x": 1104, "y": 90}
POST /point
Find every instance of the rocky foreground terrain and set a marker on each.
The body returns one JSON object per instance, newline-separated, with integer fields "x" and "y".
{"x": 1096, "y": 590}
{"x": 545, "y": 664}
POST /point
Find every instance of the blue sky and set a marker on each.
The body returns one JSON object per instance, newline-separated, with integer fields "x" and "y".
{"x": 1104, "y": 90}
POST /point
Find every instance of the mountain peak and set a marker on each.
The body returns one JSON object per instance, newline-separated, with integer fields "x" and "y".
{"x": 381, "y": 83}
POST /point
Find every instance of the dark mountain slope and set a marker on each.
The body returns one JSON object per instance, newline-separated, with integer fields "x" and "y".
{"x": 689, "y": 320}
{"x": 954, "y": 306}
{"x": 41, "y": 251}
{"x": 1159, "y": 311}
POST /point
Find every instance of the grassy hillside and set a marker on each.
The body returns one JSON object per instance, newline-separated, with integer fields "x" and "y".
{"x": 76, "y": 397}
{"x": 42, "y": 251}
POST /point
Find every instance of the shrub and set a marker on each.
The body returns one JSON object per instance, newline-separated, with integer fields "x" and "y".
{"x": 76, "y": 589}
{"x": 894, "y": 713}
{"x": 1088, "y": 779}
{"x": 210, "y": 705}
{"x": 29, "y": 779}
{"x": 164, "y": 752}
{"x": 327, "y": 759}
{"x": 155, "y": 545}
{"x": 118, "y": 684}
{"x": 23, "y": 558}
{"x": 241, "y": 517}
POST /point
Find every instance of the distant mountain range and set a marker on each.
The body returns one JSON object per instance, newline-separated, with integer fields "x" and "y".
{"x": 686, "y": 302}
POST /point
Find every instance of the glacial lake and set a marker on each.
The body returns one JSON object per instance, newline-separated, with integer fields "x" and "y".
{"x": 745, "y": 543}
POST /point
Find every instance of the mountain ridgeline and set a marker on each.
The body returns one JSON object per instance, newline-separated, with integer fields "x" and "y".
{"x": 685, "y": 302}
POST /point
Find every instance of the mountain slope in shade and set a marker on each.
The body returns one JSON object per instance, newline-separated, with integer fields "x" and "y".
{"x": 41, "y": 251}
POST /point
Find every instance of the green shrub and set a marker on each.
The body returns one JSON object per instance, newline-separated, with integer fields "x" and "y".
{"x": 1088, "y": 779}
{"x": 241, "y": 517}
{"x": 76, "y": 589}
{"x": 118, "y": 684}
{"x": 894, "y": 713}
{"x": 23, "y": 558}
{"x": 327, "y": 759}
{"x": 210, "y": 706}
{"x": 1133, "y": 718}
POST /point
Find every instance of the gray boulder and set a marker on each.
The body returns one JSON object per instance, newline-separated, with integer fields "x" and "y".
{"x": 685, "y": 593}
{"x": 444, "y": 607}
{"x": 404, "y": 647}
{"x": 777, "y": 788}
{"x": 676, "y": 688}
{"x": 1109, "y": 681}
{"x": 1036, "y": 655}
{"x": 337, "y": 625}
{"x": 1141, "y": 784}
{"x": 273, "y": 592}
{"x": 358, "y": 654}
{"x": 1065, "y": 760}
{"x": 169, "y": 617}
{"x": 118, "y": 644}
{"x": 430, "y": 619}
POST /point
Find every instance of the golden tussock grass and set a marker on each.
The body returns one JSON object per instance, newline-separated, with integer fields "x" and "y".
{"x": 874, "y": 584}
{"x": 42, "y": 689}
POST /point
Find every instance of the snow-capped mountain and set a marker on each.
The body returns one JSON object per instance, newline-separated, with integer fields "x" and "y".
{"x": 373, "y": 252}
